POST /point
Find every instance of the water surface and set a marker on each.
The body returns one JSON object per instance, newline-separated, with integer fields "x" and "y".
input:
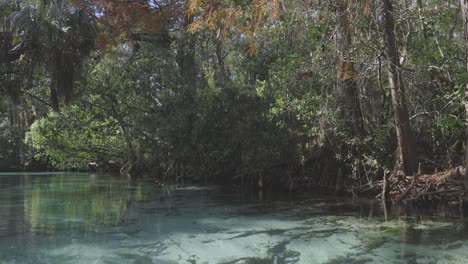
{"x": 86, "y": 218}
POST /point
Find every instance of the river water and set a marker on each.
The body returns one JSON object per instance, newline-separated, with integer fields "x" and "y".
{"x": 86, "y": 218}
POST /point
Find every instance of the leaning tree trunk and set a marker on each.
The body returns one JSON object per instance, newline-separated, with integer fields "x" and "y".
{"x": 406, "y": 146}
{"x": 350, "y": 109}
{"x": 464, "y": 9}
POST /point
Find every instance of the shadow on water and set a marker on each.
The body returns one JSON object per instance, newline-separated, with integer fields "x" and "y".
{"x": 87, "y": 218}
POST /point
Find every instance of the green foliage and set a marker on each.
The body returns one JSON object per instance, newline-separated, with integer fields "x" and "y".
{"x": 77, "y": 137}
{"x": 275, "y": 114}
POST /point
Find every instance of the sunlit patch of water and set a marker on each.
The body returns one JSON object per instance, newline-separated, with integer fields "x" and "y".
{"x": 78, "y": 218}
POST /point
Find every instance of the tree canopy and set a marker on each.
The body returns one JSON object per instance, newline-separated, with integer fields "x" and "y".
{"x": 277, "y": 93}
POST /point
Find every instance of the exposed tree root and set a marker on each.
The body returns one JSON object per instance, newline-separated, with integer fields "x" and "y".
{"x": 448, "y": 185}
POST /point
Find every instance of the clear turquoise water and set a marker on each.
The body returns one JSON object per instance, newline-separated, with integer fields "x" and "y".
{"x": 86, "y": 218}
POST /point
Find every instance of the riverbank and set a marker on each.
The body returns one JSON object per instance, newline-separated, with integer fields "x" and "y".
{"x": 449, "y": 185}
{"x": 446, "y": 186}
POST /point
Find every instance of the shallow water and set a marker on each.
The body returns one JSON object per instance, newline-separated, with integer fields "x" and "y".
{"x": 86, "y": 218}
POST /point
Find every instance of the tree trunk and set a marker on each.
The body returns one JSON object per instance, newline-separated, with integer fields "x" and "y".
{"x": 54, "y": 100}
{"x": 222, "y": 73}
{"x": 406, "y": 146}
{"x": 186, "y": 58}
{"x": 423, "y": 20}
{"x": 186, "y": 62}
{"x": 123, "y": 125}
{"x": 350, "y": 109}
{"x": 464, "y": 9}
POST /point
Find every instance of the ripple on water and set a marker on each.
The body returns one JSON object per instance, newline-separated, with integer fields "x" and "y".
{"x": 78, "y": 218}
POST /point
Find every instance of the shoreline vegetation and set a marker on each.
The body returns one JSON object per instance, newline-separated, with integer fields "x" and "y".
{"x": 358, "y": 98}
{"x": 445, "y": 186}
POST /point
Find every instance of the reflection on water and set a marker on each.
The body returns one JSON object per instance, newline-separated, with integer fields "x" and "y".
{"x": 85, "y": 218}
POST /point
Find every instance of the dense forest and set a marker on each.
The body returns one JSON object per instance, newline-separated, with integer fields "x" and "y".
{"x": 270, "y": 94}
